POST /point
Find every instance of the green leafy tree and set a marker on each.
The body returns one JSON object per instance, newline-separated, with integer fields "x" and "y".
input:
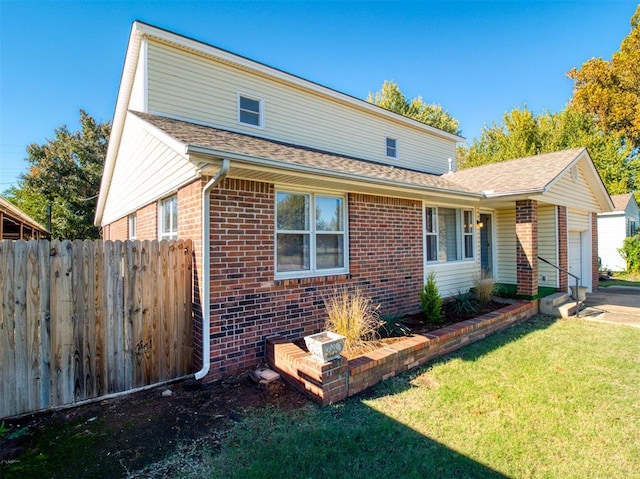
{"x": 390, "y": 97}
{"x": 525, "y": 134}
{"x": 430, "y": 300}
{"x": 609, "y": 90}
{"x": 65, "y": 173}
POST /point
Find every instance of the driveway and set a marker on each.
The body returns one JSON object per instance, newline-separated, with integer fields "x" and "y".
{"x": 614, "y": 304}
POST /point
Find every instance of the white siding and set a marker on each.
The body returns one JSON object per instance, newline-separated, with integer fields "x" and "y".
{"x": 547, "y": 246}
{"x": 191, "y": 86}
{"x": 147, "y": 169}
{"x": 454, "y": 277}
{"x": 138, "y": 100}
{"x": 577, "y": 220}
{"x": 611, "y": 234}
{"x": 506, "y": 245}
{"x": 574, "y": 193}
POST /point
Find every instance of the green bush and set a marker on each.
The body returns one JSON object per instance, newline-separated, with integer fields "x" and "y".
{"x": 392, "y": 326}
{"x": 630, "y": 252}
{"x": 463, "y": 303}
{"x": 431, "y": 301}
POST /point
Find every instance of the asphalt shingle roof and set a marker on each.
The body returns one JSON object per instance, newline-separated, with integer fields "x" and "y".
{"x": 532, "y": 173}
{"x": 620, "y": 202}
{"x": 218, "y": 139}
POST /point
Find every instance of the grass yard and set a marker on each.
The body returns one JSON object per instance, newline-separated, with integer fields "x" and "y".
{"x": 622, "y": 279}
{"x": 546, "y": 398}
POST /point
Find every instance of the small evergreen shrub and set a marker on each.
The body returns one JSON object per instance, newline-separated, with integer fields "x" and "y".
{"x": 431, "y": 301}
{"x": 351, "y": 314}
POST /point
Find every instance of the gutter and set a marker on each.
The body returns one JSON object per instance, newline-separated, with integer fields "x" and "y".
{"x": 292, "y": 167}
{"x": 206, "y": 268}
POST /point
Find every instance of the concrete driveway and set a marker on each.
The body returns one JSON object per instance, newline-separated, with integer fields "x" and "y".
{"x": 614, "y": 304}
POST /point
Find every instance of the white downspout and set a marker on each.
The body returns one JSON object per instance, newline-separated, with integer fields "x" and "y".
{"x": 206, "y": 267}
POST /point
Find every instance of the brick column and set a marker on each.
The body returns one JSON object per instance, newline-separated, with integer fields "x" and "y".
{"x": 527, "y": 247}
{"x": 563, "y": 252}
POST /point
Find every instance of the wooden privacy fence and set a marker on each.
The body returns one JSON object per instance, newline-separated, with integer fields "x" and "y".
{"x": 83, "y": 319}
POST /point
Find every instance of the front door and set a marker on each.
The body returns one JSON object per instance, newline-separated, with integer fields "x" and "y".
{"x": 486, "y": 244}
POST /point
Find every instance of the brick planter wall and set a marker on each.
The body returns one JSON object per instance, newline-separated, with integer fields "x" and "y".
{"x": 327, "y": 383}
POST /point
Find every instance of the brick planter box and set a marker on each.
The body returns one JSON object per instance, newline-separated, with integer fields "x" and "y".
{"x": 327, "y": 383}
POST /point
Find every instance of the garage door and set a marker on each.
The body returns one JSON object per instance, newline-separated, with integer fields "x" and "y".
{"x": 575, "y": 255}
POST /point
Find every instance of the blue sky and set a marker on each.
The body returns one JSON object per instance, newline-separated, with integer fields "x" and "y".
{"x": 477, "y": 59}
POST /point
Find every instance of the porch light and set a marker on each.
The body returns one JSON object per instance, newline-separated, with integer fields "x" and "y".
{"x": 479, "y": 224}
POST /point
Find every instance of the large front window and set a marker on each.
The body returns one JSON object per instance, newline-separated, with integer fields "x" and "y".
{"x": 449, "y": 234}
{"x": 310, "y": 233}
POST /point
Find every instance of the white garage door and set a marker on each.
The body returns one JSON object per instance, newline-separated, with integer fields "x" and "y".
{"x": 575, "y": 255}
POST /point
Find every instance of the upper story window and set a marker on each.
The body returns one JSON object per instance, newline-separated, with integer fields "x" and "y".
{"x": 392, "y": 147}
{"x": 449, "y": 234}
{"x": 132, "y": 221}
{"x": 169, "y": 218}
{"x": 250, "y": 110}
{"x": 311, "y": 234}
{"x": 632, "y": 228}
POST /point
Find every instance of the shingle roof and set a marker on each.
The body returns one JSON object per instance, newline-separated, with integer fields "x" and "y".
{"x": 620, "y": 202}
{"x": 217, "y": 139}
{"x": 14, "y": 212}
{"x": 532, "y": 173}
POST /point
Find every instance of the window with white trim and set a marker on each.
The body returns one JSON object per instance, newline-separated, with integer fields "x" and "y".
{"x": 392, "y": 147}
{"x": 169, "y": 218}
{"x": 250, "y": 110}
{"x": 311, "y": 234}
{"x": 132, "y": 221}
{"x": 449, "y": 234}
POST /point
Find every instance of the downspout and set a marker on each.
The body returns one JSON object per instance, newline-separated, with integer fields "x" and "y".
{"x": 206, "y": 267}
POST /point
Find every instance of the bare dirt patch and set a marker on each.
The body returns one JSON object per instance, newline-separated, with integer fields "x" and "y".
{"x": 110, "y": 438}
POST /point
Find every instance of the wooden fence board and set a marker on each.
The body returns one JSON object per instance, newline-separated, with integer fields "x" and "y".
{"x": 44, "y": 252}
{"x": 82, "y": 319}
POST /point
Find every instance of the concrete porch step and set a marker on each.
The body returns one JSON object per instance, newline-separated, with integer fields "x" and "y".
{"x": 559, "y": 305}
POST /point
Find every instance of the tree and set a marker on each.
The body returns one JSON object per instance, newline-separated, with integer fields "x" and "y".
{"x": 65, "y": 173}
{"x": 524, "y": 134}
{"x": 610, "y": 90}
{"x": 391, "y": 98}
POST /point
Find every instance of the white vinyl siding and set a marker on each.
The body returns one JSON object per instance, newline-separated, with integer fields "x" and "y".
{"x": 198, "y": 88}
{"x": 611, "y": 234}
{"x": 506, "y": 245}
{"x": 573, "y": 193}
{"x": 547, "y": 245}
{"x": 577, "y": 220}
{"x": 454, "y": 277}
{"x": 146, "y": 170}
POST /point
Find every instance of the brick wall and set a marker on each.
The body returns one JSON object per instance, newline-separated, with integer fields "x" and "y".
{"x": 248, "y": 305}
{"x": 563, "y": 252}
{"x": 527, "y": 247}
{"x": 147, "y": 222}
{"x": 118, "y": 230}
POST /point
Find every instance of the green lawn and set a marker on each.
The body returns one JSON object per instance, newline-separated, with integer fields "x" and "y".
{"x": 547, "y": 398}
{"x": 622, "y": 279}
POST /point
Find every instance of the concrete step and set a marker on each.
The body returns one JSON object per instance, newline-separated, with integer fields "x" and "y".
{"x": 559, "y": 305}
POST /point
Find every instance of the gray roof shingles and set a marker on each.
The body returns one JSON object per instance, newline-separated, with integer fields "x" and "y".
{"x": 217, "y": 139}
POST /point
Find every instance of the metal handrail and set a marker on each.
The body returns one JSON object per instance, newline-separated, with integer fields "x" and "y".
{"x": 572, "y": 275}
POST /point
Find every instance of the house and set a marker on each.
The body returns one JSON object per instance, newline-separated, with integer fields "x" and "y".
{"x": 15, "y": 224}
{"x": 290, "y": 189}
{"x": 613, "y": 227}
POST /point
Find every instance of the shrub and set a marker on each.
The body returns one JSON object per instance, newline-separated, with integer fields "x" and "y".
{"x": 462, "y": 303}
{"x": 430, "y": 300}
{"x": 630, "y": 252}
{"x": 391, "y": 325}
{"x": 352, "y": 315}
{"x": 484, "y": 287}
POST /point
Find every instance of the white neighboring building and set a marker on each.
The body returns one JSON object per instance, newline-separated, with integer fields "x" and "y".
{"x": 614, "y": 227}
